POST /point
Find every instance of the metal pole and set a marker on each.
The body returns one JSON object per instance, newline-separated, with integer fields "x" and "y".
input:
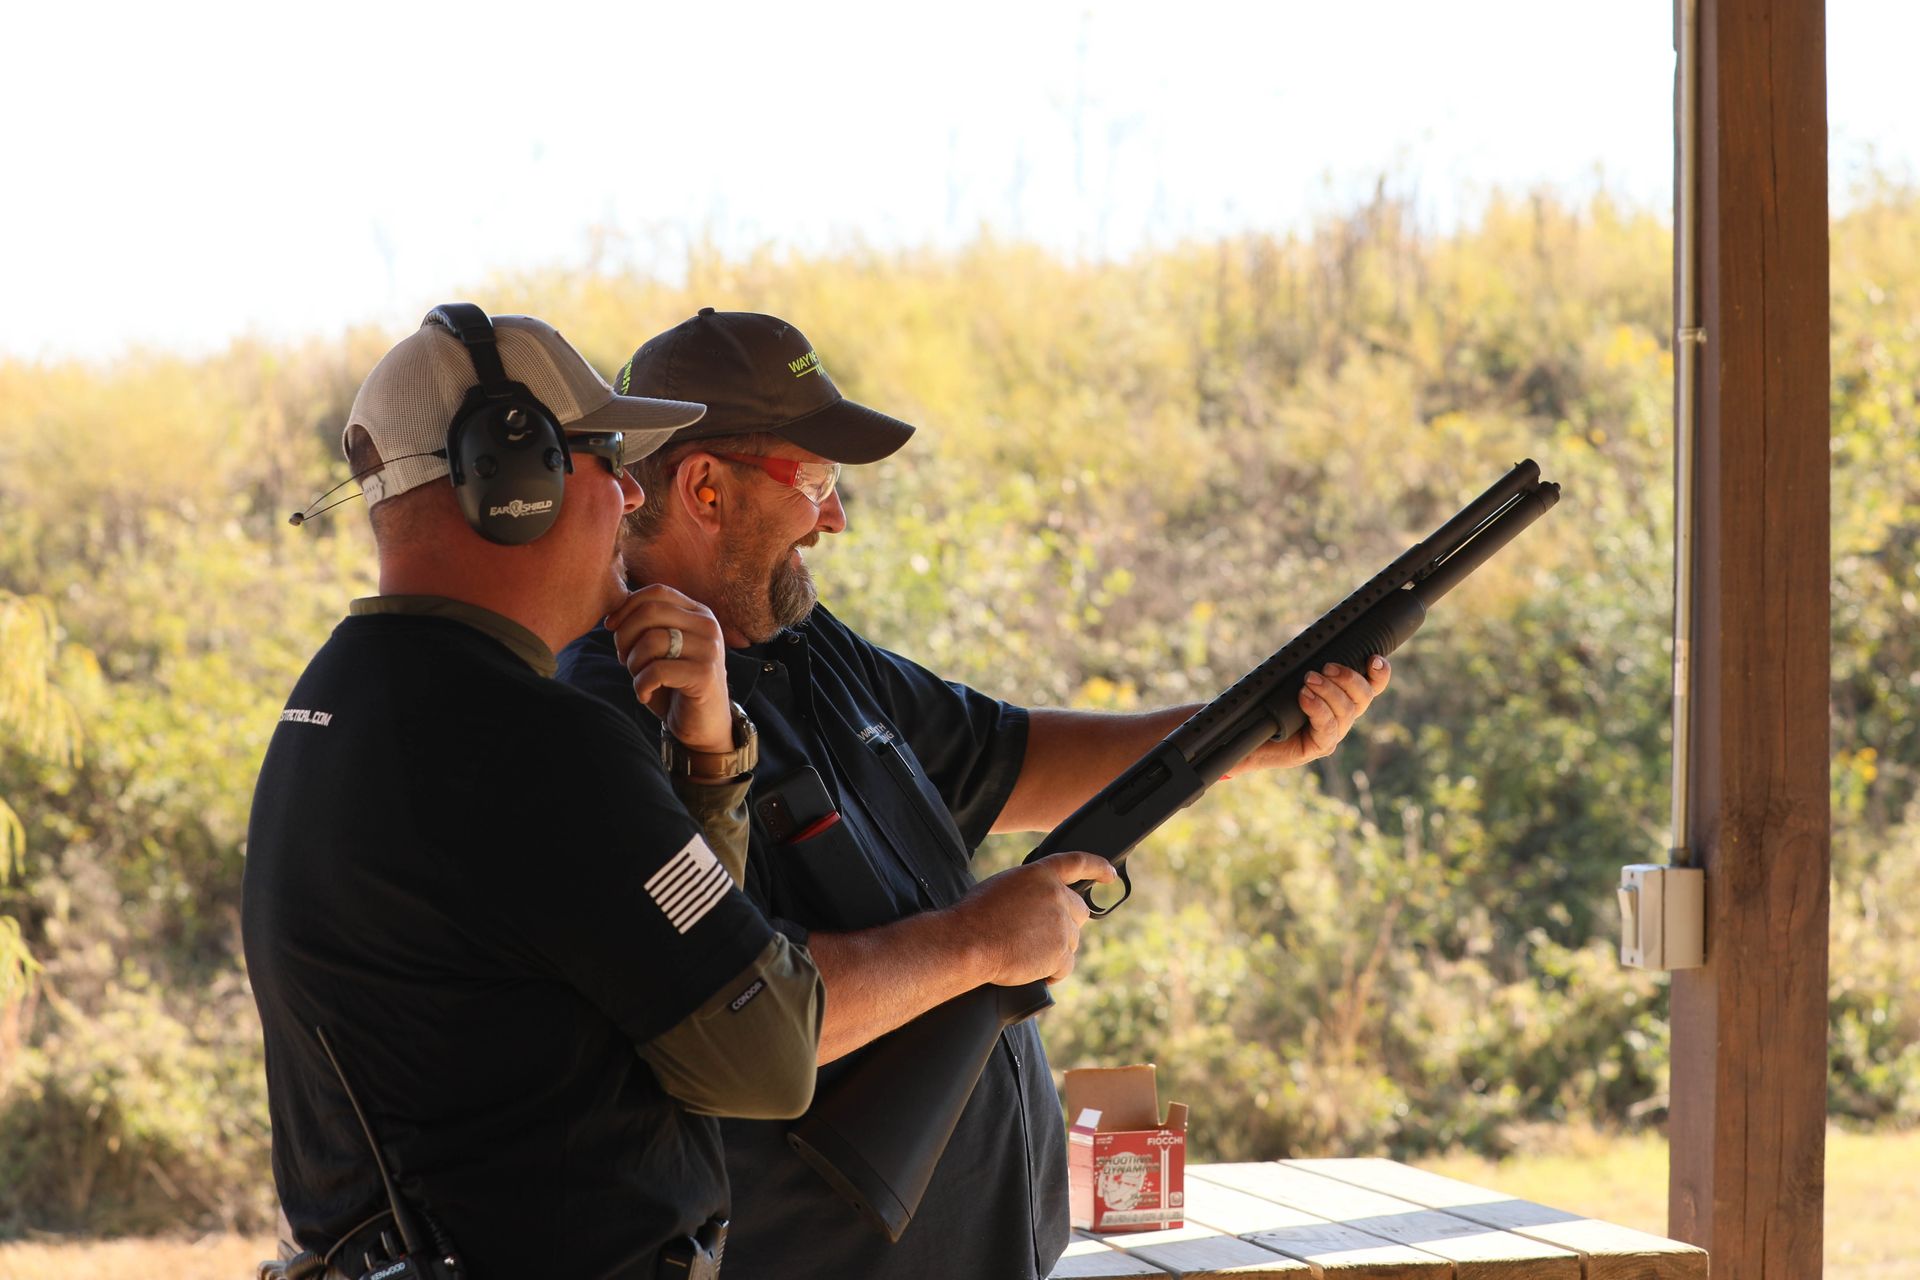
{"x": 1688, "y": 339}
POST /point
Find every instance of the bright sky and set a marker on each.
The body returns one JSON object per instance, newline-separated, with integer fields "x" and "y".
{"x": 176, "y": 175}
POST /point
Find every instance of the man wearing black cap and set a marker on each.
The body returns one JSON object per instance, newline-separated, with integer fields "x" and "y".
{"x": 877, "y": 781}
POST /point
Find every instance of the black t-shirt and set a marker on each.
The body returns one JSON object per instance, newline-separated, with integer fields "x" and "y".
{"x": 919, "y": 768}
{"x": 449, "y": 868}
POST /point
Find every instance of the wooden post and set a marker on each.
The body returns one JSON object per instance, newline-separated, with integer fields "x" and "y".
{"x": 1748, "y": 1117}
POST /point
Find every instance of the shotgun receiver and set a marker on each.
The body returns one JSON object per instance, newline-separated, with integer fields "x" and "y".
{"x": 877, "y": 1134}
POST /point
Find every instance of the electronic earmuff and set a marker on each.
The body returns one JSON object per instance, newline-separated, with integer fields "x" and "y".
{"x": 506, "y": 453}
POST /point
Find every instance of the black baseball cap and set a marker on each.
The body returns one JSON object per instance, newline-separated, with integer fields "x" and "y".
{"x": 757, "y": 373}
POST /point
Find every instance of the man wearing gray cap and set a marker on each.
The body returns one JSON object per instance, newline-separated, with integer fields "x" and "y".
{"x": 876, "y": 783}
{"x": 504, "y": 977}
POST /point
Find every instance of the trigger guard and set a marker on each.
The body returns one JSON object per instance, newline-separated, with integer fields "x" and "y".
{"x": 1094, "y": 909}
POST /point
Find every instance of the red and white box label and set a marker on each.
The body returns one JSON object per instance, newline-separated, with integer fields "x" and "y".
{"x": 1129, "y": 1178}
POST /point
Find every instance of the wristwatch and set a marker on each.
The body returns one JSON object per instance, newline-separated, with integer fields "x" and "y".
{"x": 683, "y": 761}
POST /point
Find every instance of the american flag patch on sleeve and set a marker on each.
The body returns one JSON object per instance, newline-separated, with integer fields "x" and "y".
{"x": 690, "y": 884}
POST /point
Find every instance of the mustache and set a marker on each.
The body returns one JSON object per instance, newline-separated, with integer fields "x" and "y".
{"x": 809, "y": 540}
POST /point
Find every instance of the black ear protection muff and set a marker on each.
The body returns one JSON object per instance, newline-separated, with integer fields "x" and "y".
{"x": 508, "y": 457}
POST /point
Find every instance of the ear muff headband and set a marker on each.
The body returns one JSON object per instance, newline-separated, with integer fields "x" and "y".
{"x": 506, "y": 454}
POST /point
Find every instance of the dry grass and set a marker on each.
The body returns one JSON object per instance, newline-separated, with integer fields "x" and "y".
{"x": 1873, "y": 1190}
{"x": 211, "y": 1258}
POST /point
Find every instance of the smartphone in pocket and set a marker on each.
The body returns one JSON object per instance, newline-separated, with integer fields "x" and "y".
{"x": 796, "y": 807}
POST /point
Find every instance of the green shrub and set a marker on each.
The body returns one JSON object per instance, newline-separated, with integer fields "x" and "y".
{"x": 138, "y": 1118}
{"x": 1133, "y": 479}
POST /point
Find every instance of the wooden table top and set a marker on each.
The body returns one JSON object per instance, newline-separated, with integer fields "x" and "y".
{"x": 1367, "y": 1219}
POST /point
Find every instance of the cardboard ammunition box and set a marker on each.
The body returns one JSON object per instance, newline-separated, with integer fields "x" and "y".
{"x": 1126, "y": 1167}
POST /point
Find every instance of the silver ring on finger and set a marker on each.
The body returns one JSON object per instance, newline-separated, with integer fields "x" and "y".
{"x": 674, "y": 642}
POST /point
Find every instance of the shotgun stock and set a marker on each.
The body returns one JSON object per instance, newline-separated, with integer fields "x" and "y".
{"x": 877, "y": 1134}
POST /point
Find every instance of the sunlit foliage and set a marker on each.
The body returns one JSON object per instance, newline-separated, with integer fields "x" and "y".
{"x": 38, "y": 722}
{"x": 1132, "y": 480}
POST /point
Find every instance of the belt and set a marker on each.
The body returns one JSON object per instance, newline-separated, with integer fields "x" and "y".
{"x": 695, "y": 1257}
{"x": 366, "y": 1252}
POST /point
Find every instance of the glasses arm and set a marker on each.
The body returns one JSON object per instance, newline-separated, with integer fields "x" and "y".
{"x": 782, "y": 469}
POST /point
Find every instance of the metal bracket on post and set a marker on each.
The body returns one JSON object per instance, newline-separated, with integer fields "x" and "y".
{"x": 1662, "y": 916}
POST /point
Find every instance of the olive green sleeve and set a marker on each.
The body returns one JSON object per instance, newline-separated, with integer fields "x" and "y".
{"x": 720, "y": 809}
{"x": 750, "y": 1049}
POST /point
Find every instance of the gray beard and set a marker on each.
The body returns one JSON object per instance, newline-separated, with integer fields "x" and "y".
{"x": 790, "y": 596}
{"x": 761, "y": 610}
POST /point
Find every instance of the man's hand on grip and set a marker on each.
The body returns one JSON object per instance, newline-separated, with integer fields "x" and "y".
{"x": 1027, "y": 920}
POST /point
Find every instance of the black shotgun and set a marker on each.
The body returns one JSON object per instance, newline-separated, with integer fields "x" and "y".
{"x": 878, "y": 1132}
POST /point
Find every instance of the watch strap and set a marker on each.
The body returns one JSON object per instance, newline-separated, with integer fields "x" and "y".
{"x": 682, "y": 761}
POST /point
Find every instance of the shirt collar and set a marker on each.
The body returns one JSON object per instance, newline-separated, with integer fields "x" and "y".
{"x": 522, "y": 643}
{"x": 746, "y": 665}
{"x": 743, "y": 672}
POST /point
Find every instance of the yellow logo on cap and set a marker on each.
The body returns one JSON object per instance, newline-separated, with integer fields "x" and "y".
{"x": 626, "y": 376}
{"x": 806, "y": 364}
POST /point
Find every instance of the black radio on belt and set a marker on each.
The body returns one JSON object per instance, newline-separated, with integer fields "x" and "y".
{"x": 422, "y": 1252}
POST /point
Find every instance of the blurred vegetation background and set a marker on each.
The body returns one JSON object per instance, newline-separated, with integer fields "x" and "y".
{"x": 1134, "y": 479}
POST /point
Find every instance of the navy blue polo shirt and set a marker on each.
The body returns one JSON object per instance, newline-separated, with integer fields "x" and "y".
{"x": 918, "y": 768}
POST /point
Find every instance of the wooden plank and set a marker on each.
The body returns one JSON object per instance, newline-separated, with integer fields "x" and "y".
{"x": 1200, "y": 1253}
{"x": 1610, "y": 1252}
{"x": 1747, "y": 1121}
{"x": 1089, "y": 1258}
{"x": 1477, "y": 1252}
{"x": 1331, "y": 1248}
